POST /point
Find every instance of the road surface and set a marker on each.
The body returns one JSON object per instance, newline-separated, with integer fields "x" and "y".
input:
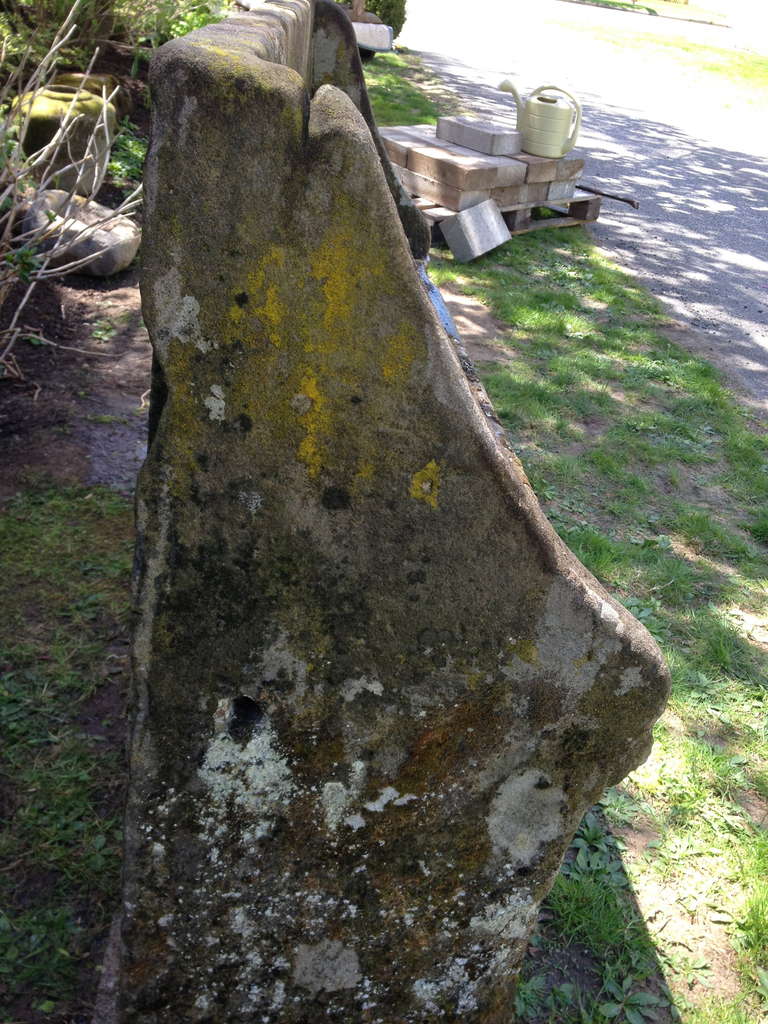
{"x": 692, "y": 148}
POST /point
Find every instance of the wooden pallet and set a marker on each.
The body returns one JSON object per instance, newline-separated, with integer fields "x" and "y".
{"x": 582, "y": 209}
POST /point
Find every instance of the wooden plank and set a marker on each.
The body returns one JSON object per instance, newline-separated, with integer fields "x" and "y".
{"x": 586, "y": 209}
{"x": 547, "y": 222}
{"x": 442, "y": 195}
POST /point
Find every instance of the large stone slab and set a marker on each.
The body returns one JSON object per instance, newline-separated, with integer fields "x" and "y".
{"x": 373, "y": 691}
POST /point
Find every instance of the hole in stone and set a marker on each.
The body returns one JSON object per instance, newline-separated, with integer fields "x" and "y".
{"x": 241, "y": 299}
{"x": 335, "y": 498}
{"x": 247, "y": 715}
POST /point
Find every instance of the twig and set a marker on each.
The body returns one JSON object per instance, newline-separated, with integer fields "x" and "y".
{"x": 609, "y": 195}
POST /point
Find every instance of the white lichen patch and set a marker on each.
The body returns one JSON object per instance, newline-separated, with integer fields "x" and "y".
{"x": 327, "y": 966}
{"x": 387, "y": 795}
{"x": 177, "y": 315}
{"x": 355, "y": 822}
{"x": 352, "y": 688}
{"x": 253, "y": 780}
{"x": 631, "y": 679}
{"x": 525, "y": 813}
{"x": 569, "y": 642}
{"x": 336, "y": 796}
{"x": 216, "y": 404}
{"x": 455, "y": 985}
{"x": 512, "y": 918}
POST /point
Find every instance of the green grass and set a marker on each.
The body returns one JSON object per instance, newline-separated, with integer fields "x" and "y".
{"x": 397, "y": 87}
{"x": 744, "y": 72}
{"x": 687, "y": 12}
{"x": 66, "y": 555}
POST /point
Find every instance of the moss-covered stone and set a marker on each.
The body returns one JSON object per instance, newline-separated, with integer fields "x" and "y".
{"x": 374, "y": 693}
{"x": 91, "y": 122}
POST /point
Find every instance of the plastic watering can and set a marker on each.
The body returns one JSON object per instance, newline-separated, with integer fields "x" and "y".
{"x": 549, "y": 125}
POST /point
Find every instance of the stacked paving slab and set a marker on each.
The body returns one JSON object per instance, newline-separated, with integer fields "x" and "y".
{"x": 471, "y": 178}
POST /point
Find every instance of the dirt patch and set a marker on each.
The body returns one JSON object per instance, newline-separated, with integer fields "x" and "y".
{"x": 78, "y": 415}
{"x": 482, "y": 335}
{"x": 695, "y": 937}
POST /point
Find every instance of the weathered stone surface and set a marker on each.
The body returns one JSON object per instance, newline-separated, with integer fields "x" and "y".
{"x": 83, "y": 229}
{"x": 374, "y": 693}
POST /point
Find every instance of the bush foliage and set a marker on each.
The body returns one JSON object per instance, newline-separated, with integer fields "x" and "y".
{"x": 391, "y": 12}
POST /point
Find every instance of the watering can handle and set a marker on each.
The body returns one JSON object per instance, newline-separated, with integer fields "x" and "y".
{"x": 577, "y": 106}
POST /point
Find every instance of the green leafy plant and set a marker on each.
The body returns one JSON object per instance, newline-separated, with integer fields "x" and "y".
{"x": 129, "y": 150}
{"x": 635, "y": 1006}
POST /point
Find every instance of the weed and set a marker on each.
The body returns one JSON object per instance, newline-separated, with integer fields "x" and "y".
{"x": 126, "y": 164}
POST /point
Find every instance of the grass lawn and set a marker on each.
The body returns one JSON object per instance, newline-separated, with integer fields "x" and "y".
{"x": 658, "y": 480}
{"x": 66, "y": 555}
{"x": 688, "y": 12}
{"x": 743, "y": 75}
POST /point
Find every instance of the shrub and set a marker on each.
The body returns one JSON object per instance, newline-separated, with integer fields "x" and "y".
{"x": 391, "y": 12}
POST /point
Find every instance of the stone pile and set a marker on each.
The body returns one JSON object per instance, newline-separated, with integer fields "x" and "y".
{"x": 471, "y": 179}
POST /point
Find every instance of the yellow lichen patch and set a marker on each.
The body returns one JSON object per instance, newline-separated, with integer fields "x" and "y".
{"x": 398, "y": 356}
{"x": 426, "y": 483}
{"x": 331, "y": 266}
{"x": 316, "y": 421}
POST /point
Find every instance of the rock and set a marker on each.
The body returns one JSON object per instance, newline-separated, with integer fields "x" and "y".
{"x": 46, "y": 111}
{"x": 87, "y": 229}
{"x": 99, "y": 85}
{"x": 373, "y": 691}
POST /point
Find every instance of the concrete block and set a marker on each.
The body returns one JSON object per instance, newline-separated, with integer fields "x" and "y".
{"x": 538, "y": 168}
{"x": 373, "y": 37}
{"x": 410, "y": 134}
{"x": 483, "y": 136}
{"x": 464, "y": 168}
{"x": 396, "y": 151}
{"x": 443, "y": 195}
{"x": 475, "y": 231}
{"x": 569, "y": 168}
{"x": 560, "y": 190}
{"x": 520, "y": 195}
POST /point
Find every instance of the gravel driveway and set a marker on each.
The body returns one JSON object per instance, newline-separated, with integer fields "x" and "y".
{"x": 690, "y": 149}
